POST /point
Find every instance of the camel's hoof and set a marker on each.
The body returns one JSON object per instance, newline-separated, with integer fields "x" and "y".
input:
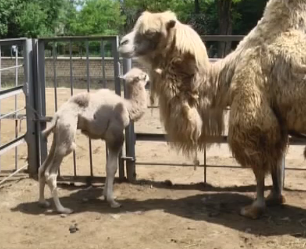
{"x": 44, "y": 204}
{"x": 115, "y": 204}
{"x": 252, "y": 212}
{"x": 273, "y": 200}
{"x": 105, "y": 198}
{"x": 65, "y": 211}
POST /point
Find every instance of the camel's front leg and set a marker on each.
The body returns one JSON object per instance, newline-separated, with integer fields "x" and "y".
{"x": 258, "y": 206}
{"x": 111, "y": 169}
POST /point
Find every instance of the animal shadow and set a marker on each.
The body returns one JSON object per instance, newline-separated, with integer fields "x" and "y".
{"x": 211, "y": 207}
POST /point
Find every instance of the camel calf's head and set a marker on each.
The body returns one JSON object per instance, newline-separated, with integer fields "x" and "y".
{"x": 136, "y": 76}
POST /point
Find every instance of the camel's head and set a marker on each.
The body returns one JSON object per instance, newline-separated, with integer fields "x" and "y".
{"x": 136, "y": 76}
{"x": 150, "y": 34}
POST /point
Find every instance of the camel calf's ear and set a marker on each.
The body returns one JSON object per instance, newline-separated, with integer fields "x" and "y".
{"x": 171, "y": 24}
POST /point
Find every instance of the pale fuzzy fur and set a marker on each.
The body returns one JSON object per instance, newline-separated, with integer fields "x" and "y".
{"x": 99, "y": 115}
{"x": 263, "y": 81}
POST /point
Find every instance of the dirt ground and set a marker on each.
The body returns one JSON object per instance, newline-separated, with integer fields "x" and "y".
{"x": 168, "y": 207}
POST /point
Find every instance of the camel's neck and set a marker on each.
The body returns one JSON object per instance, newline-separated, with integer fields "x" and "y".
{"x": 137, "y": 101}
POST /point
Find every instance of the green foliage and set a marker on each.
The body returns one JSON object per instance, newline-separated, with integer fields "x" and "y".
{"x": 9, "y": 12}
{"x": 33, "y": 21}
{"x": 34, "y": 18}
{"x": 98, "y": 17}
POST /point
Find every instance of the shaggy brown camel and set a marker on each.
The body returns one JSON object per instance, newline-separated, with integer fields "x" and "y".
{"x": 99, "y": 115}
{"x": 263, "y": 81}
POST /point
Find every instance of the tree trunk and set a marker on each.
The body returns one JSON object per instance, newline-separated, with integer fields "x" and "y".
{"x": 197, "y": 8}
{"x": 225, "y": 25}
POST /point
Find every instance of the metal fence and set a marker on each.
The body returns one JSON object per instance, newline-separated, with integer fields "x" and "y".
{"x": 32, "y": 74}
{"x": 69, "y": 41}
{"x": 19, "y": 86}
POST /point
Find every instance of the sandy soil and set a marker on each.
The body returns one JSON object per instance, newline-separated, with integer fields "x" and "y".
{"x": 168, "y": 207}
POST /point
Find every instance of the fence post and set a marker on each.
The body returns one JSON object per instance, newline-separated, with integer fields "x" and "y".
{"x": 33, "y": 148}
{"x": 115, "y": 44}
{"x": 40, "y": 92}
{"x": 283, "y": 170}
{"x": 129, "y": 134}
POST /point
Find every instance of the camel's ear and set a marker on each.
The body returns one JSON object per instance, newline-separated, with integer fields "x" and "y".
{"x": 171, "y": 24}
{"x": 121, "y": 77}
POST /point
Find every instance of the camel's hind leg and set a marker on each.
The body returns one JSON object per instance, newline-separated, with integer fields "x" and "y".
{"x": 258, "y": 206}
{"x": 52, "y": 183}
{"x": 275, "y": 197}
{"x": 64, "y": 144}
{"x": 41, "y": 176}
{"x": 256, "y": 140}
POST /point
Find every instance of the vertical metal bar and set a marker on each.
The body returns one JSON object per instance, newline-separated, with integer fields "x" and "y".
{"x": 116, "y": 62}
{"x": 129, "y": 133}
{"x": 115, "y": 54}
{"x": 71, "y": 93}
{"x": 55, "y": 84}
{"x": 16, "y": 107}
{"x": 88, "y": 89}
{"x": 54, "y": 76}
{"x": 104, "y": 83}
{"x": 0, "y": 90}
{"x": 41, "y": 95}
{"x": 33, "y": 158}
{"x": 205, "y": 165}
{"x": 103, "y": 63}
{"x": 283, "y": 171}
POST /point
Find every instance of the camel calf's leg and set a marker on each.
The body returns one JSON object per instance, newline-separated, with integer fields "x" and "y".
{"x": 52, "y": 183}
{"x": 41, "y": 176}
{"x": 114, "y": 140}
{"x": 64, "y": 138}
{"x": 111, "y": 169}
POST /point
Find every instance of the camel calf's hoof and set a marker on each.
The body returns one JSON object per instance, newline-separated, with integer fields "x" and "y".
{"x": 44, "y": 204}
{"x": 273, "y": 200}
{"x": 65, "y": 211}
{"x": 252, "y": 212}
{"x": 115, "y": 204}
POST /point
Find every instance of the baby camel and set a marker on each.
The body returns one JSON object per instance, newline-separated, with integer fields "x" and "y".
{"x": 99, "y": 115}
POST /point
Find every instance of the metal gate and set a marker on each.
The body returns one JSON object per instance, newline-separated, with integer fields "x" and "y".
{"x": 16, "y": 81}
{"x": 48, "y": 50}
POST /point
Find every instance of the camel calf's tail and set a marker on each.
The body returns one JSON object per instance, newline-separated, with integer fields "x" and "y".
{"x": 46, "y": 132}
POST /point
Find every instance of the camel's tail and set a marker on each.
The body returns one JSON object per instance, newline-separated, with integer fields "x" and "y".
{"x": 46, "y": 132}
